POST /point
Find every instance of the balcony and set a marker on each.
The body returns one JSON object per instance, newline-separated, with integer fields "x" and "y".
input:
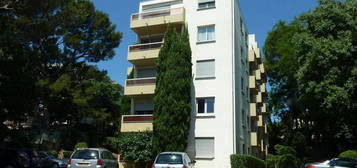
{"x": 144, "y": 54}
{"x": 257, "y": 75}
{"x": 252, "y": 83}
{"x": 253, "y": 110}
{"x": 156, "y": 22}
{"x": 264, "y": 108}
{"x": 253, "y": 139}
{"x": 140, "y": 86}
{"x": 136, "y": 123}
{"x": 259, "y": 97}
{"x": 263, "y": 88}
{"x": 260, "y": 121}
{"x": 262, "y": 70}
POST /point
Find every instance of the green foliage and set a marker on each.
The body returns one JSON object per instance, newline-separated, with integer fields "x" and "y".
{"x": 45, "y": 48}
{"x": 111, "y": 143}
{"x": 81, "y": 145}
{"x": 246, "y": 161}
{"x": 285, "y": 158}
{"x": 283, "y": 150}
{"x": 172, "y": 100}
{"x": 350, "y": 154}
{"x": 271, "y": 161}
{"x": 136, "y": 146}
{"x": 288, "y": 161}
{"x": 312, "y": 71}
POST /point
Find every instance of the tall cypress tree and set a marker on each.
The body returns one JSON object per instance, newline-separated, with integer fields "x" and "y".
{"x": 172, "y": 101}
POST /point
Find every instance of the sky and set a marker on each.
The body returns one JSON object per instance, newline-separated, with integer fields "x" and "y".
{"x": 260, "y": 17}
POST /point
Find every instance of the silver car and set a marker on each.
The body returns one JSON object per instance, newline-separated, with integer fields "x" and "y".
{"x": 173, "y": 160}
{"x": 92, "y": 158}
{"x": 334, "y": 163}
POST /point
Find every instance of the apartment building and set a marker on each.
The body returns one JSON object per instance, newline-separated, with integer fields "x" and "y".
{"x": 221, "y": 121}
{"x": 258, "y": 108}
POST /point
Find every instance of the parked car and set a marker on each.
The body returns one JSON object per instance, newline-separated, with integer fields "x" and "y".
{"x": 173, "y": 160}
{"x": 92, "y": 158}
{"x": 35, "y": 161}
{"x": 50, "y": 161}
{"x": 334, "y": 163}
{"x": 11, "y": 158}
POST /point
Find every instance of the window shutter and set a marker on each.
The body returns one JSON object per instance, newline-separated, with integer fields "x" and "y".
{"x": 205, "y": 147}
{"x": 205, "y": 68}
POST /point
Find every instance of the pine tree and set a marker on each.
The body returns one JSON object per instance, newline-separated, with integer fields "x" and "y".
{"x": 172, "y": 101}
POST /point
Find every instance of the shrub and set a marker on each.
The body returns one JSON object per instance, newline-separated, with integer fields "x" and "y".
{"x": 350, "y": 154}
{"x": 288, "y": 161}
{"x": 271, "y": 161}
{"x": 81, "y": 145}
{"x": 136, "y": 146}
{"x": 246, "y": 161}
{"x": 282, "y": 150}
{"x": 111, "y": 143}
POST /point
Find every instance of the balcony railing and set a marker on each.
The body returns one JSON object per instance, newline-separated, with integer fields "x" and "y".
{"x": 137, "y": 118}
{"x": 140, "y": 81}
{"x": 148, "y": 46}
{"x": 147, "y": 15}
{"x": 136, "y": 123}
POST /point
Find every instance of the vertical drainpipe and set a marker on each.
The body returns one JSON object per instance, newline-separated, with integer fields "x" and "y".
{"x": 233, "y": 78}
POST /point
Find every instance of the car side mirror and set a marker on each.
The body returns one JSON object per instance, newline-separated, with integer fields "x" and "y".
{"x": 193, "y": 162}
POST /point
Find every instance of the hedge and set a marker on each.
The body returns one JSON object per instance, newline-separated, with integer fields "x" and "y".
{"x": 350, "y": 154}
{"x": 81, "y": 145}
{"x": 246, "y": 161}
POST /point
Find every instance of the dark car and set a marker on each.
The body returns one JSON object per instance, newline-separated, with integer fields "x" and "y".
{"x": 11, "y": 158}
{"x": 34, "y": 157}
{"x": 47, "y": 160}
{"x": 334, "y": 163}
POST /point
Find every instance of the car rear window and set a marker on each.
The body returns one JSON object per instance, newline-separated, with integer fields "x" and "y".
{"x": 86, "y": 154}
{"x": 169, "y": 159}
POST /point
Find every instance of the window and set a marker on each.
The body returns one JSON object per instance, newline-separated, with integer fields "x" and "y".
{"x": 206, "y": 33}
{"x": 205, "y": 105}
{"x": 204, "y": 147}
{"x": 205, "y": 69}
{"x": 206, "y": 4}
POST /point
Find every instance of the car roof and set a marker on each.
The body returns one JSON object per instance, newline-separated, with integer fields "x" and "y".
{"x": 179, "y": 153}
{"x": 100, "y": 149}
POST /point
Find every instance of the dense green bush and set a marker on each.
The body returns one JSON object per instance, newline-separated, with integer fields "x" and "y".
{"x": 288, "y": 161}
{"x": 136, "y": 146}
{"x": 282, "y": 150}
{"x": 285, "y": 158}
{"x": 111, "y": 143}
{"x": 350, "y": 154}
{"x": 271, "y": 161}
{"x": 81, "y": 145}
{"x": 246, "y": 161}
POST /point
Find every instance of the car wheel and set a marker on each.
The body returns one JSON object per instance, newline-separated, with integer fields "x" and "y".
{"x": 54, "y": 166}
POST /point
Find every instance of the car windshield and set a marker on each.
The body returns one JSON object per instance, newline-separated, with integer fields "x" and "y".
{"x": 169, "y": 159}
{"x": 86, "y": 154}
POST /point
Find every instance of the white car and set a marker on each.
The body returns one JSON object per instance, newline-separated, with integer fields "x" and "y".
{"x": 334, "y": 163}
{"x": 173, "y": 160}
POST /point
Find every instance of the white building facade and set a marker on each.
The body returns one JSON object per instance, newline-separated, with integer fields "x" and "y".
{"x": 221, "y": 121}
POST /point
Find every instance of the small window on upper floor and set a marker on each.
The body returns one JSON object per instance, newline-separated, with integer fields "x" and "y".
{"x": 205, "y": 69}
{"x": 205, "y": 105}
{"x": 206, "y": 4}
{"x": 206, "y": 33}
